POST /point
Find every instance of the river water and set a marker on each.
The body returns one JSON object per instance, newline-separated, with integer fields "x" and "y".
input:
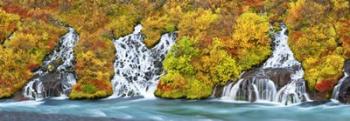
{"x": 173, "y": 110}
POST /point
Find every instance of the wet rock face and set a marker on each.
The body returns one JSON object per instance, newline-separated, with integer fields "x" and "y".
{"x": 344, "y": 94}
{"x": 280, "y": 76}
{"x": 269, "y": 84}
{"x": 279, "y": 79}
{"x": 347, "y": 67}
{"x": 56, "y": 75}
{"x": 344, "y": 90}
{"x": 51, "y": 84}
{"x": 55, "y": 85}
{"x": 264, "y": 84}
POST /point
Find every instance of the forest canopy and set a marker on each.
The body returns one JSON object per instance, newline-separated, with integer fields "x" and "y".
{"x": 217, "y": 40}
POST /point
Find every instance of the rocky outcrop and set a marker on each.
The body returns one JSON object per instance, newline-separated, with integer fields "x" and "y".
{"x": 279, "y": 76}
{"x": 56, "y": 76}
{"x": 279, "y": 79}
{"x": 343, "y": 93}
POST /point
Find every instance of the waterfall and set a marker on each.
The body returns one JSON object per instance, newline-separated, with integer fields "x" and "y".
{"x": 260, "y": 84}
{"x": 341, "y": 90}
{"x": 336, "y": 89}
{"x": 138, "y": 68}
{"x": 56, "y": 75}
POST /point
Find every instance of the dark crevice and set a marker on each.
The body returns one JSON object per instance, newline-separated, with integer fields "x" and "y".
{"x": 7, "y": 38}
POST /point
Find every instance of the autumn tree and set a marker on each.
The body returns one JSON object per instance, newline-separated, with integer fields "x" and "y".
{"x": 250, "y": 43}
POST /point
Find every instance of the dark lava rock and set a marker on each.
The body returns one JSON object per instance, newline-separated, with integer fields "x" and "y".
{"x": 18, "y": 96}
{"x": 280, "y": 76}
{"x": 218, "y": 90}
{"x": 318, "y": 96}
{"x": 344, "y": 91}
{"x": 54, "y": 83}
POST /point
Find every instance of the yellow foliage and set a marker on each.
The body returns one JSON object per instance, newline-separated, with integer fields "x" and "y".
{"x": 122, "y": 26}
{"x": 154, "y": 26}
{"x": 329, "y": 69}
{"x": 24, "y": 51}
{"x": 303, "y": 13}
{"x": 314, "y": 42}
{"x": 194, "y": 23}
{"x": 340, "y": 4}
{"x": 318, "y": 29}
{"x": 294, "y": 11}
{"x": 243, "y": 35}
{"x": 250, "y": 42}
{"x": 94, "y": 66}
{"x": 13, "y": 71}
{"x": 276, "y": 10}
{"x": 192, "y": 74}
{"x": 343, "y": 31}
{"x": 8, "y": 23}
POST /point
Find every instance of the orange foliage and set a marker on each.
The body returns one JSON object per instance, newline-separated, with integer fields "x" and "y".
{"x": 164, "y": 87}
{"x": 254, "y": 3}
{"x": 33, "y": 66}
{"x": 16, "y": 9}
{"x": 101, "y": 85}
{"x": 344, "y": 33}
{"x": 28, "y": 13}
{"x": 324, "y": 85}
{"x": 296, "y": 35}
{"x": 77, "y": 87}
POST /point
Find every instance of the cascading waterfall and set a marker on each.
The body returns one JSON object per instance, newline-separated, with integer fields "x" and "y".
{"x": 337, "y": 87}
{"x": 341, "y": 90}
{"x": 262, "y": 87}
{"x": 56, "y": 76}
{"x": 138, "y": 68}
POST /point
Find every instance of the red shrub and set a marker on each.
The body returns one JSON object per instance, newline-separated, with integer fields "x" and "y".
{"x": 164, "y": 87}
{"x": 77, "y": 87}
{"x": 296, "y": 35}
{"x": 324, "y": 85}
{"x": 17, "y": 10}
{"x": 99, "y": 44}
{"x": 32, "y": 66}
{"x": 101, "y": 85}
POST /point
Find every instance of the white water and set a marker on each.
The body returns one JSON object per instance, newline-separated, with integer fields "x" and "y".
{"x": 35, "y": 88}
{"x": 263, "y": 89}
{"x": 282, "y": 55}
{"x": 336, "y": 89}
{"x": 138, "y": 68}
